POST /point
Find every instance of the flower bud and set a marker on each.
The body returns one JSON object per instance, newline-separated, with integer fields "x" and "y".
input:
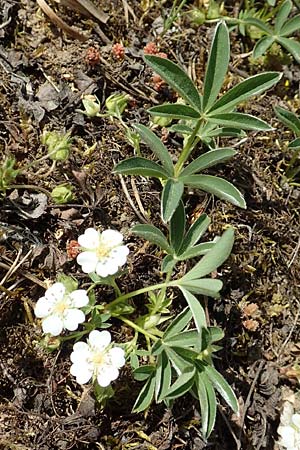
{"x": 91, "y": 105}
{"x": 116, "y": 104}
{"x": 62, "y": 194}
{"x": 197, "y": 17}
{"x": 59, "y": 145}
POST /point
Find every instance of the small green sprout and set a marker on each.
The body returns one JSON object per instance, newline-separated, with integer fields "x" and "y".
{"x": 58, "y": 144}
{"x": 62, "y": 194}
{"x": 116, "y": 104}
{"x": 91, "y": 106}
{"x": 7, "y": 173}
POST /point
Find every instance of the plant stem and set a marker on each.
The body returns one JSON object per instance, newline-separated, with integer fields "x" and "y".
{"x": 162, "y": 294}
{"x": 188, "y": 148}
{"x": 137, "y": 328}
{"x": 123, "y": 297}
{"x": 116, "y": 287}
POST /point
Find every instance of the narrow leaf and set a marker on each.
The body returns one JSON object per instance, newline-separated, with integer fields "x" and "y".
{"x": 145, "y": 396}
{"x": 183, "y": 384}
{"x": 156, "y": 146}
{"x": 152, "y": 234}
{"x": 177, "y": 227}
{"x": 217, "y": 186}
{"x": 174, "y": 111}
{"x": 197, "y": 250}
{"x": 167, "y": 263}
{"x": 213, "y": 259}
{"x": 176, "y": 78}
{"x": 143, "y": 373}
{"x": 222, "y": 387}
{"x": 290, "y": 26}
{"x": 178, "y": 324}
{"x": 197, "y": 310}
{"x": 291, "y": 46}
{"x": 282, "y": 15}
{"x": 140, "y": 166}
{"x": 289, "y": 118}
{"x": 240, "y": 120}
{"x": 171, "y": 196}
{"x": 204, "y": 286}
{"x": 208, "y": 403}
{"x": 208, "y": 159}
{"x": 185, "y": 339}
{"x": 162, "y": 377}
{"x": 194, "y": 233}
{"x": 179, "y": 362}
{"x": 180, "y": 128}
{"x": 227, "y": 132}
{"x": 295, "y": 144}
{"x": 241, "y": 92}
{"x": 217, "y": 65}
{"x": 262, "y": 46}
{"x": 259, "y": 24}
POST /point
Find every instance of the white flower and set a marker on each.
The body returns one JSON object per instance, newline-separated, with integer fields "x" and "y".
{"x": 58, "y": 309}
{"x": 96, "y": 359}
{"x": 289, "y": 428}
{"x": 103, "y": 253}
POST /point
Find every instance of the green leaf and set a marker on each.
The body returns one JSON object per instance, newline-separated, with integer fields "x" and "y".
{"x": 208, "y": 159}
{"x": 184, "y": 339}
{"x": 177, "y": 227}
{"x": 176, "y": 78}
{"x": 162, "y": 377}
{"x": 197, "y": 250}
{"x": 213, "y": 259}
{"x": 227, "y": 132}
{"x": 295, "y": 144}
{"x": 145, "y": 396}
{"x": 174, "y": 111}
{"x": 179, "y": 362}
{"x": 217, "y": 186}
{"x": 204, "y": 286}
{"x": 259, "y": 24}
{"x": 194, "y": 233}
{"x": 282, "y": 16}
{"x": 183, "y": 384}
{"x": 171, "y": 196}
{"x": 291, "y": 26}
{"x": 140, "y": 166}
{"x": 152, "y": 234}
{"x": 222, "y": 387}
{"x": 244, "y": 90}
{"x": 292, "y": 46}
{"x": 208, "y": 403}
{"x": 180, "y": 128}
{"x": 143, "y": 373}
{"x": 240, "y": 120}
{"x": 217, "y": 65}
{"x": 289, "y": 119}
{"x": 262, "y": 46}
{"x": 196, "y": 308}
{"x": 178, "y": 324}
{"x": 167, "y": 263}
{"x": 156, "y": 146}
{"x": 216, "y": 334}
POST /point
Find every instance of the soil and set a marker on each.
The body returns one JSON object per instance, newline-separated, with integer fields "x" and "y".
{"x": 44, "y": 74}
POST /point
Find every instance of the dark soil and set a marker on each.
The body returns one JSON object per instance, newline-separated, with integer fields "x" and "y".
{"x": 43, "y": 76}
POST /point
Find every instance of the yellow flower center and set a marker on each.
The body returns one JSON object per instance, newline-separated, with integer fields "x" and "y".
{"x": 61, "y": 306}
{"x": 103, "y": 251}
{"x": 98, "y": 358}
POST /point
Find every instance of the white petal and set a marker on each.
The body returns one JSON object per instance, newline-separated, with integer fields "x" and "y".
{"x": 106, "y": 375}
{"x": 79, "y": 298}
{"x": 119, "y": 254}
{"x": 56, "y": 291}
{"x": 90, "y": 239}
{"x": 81, "y": 352}
{"x": 117, "y": 356}
{"x": 111, "y": 237}
{"x": 99, "y": 339}
{"x": 108, "y": 267}
{"x": 88, "y": 261}
{"x": 296, "y": 421}
{"x": 43, "y": 307}
{"x": 82, "y": 372}
{"x": 53, "y": 325}
{"x": 288, "y": 436}
{"x": 72, "y": 318}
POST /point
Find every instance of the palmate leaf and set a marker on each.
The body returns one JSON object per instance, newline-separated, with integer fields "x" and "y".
{"x": 290, "y": 26}
{"x": 156, "y": 146}
{"x": 141, "y": 166}
{"x": 171, "y": 196}
{"x": 291, "y": 46}
{"x": 217, "y": 186}
{"x": 175, "y": 111}
{"x": 176, "y": 78}
{"x": 213, "y": 259}
{"x": 282, "y": 16}
{"x": 243, "y": 91}
{"x": 152, "y": 234}
{"x": 208, "y": 159}
{"x": 217, "y": 66}
{"x": 240, "y": 120}
{"x": 262, "y": 46}
{"x": 289, "y": 118}
{"x": 208, "y": 402}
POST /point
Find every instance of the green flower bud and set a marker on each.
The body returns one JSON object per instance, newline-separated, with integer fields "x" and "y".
{"x": 62, "y": 194}
{"x": 116, "y": 104}
{"x": 7, "y": 173}
{"x": 162, "y": 121}
{"x": 91, "y": 105}
{"x": 197, "y": 17}
{"x": 59, "y": 145}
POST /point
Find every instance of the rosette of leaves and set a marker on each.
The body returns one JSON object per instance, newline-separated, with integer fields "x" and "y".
{"x": 181, "y": 359}
{"x": 280, "y": 33}
{"x": 202, "y": 118}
